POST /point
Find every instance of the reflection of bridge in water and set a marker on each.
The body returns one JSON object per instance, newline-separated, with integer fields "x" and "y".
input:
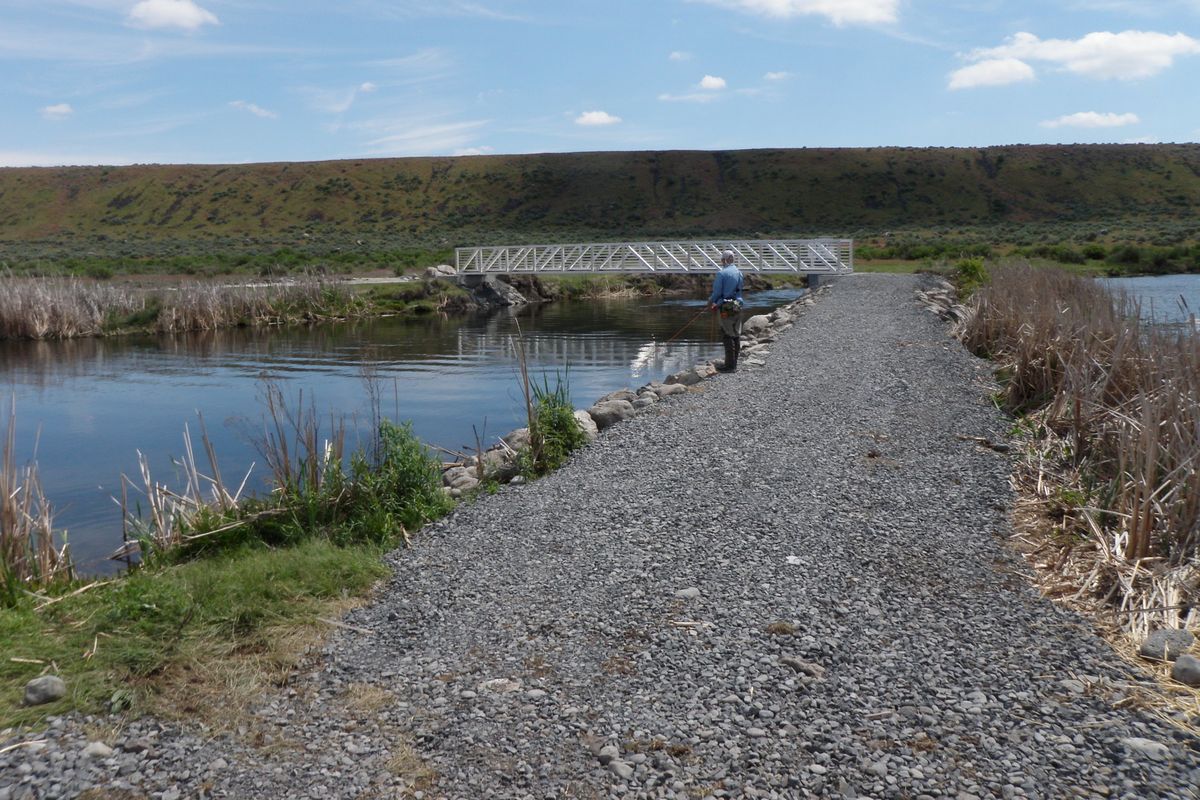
{"x": 786, "y": 256}
{"x": 644, "y": 358}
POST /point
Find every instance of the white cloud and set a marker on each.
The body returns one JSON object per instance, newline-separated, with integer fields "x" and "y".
{"x": 680, "y": 55}
{"x": 596, "y": 119}
{"x": 711, "y": 83}
{"x": 1128, "y": 55}
{"x": 182, "y": 14}
{"x": 427, "y": 137}
{"x": 839, "y": 12}
{"x": 992, "y": 72}
{"x": 777, "y": 76}
{"x": 58, "y": 111}
{"x": 1092, "y": 119}
{"x": 257, "y": 111}
{"x": 336, "y": 101}
{"x": 475, "y": 151}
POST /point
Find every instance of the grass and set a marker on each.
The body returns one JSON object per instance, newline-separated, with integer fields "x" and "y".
{"x": 173, "y": 637}
{"x": 554, "y": 433}
{"x": 1110, "y": 408}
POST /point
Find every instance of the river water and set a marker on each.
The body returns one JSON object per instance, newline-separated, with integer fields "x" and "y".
{"x": 1168, "y": 300}
{"x": 89, "y": 405}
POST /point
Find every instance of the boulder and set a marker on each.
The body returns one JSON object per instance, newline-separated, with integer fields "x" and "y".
{"x": 669, "y": 390}
{"x": 780, "y": 315}
{"x": 461, "y": 478}
{"x": 499, "y": 466}
{"x": 620, "y": 394}
{"x": 446, "y": 271}
{"x": 690, "y": 377}
{"x": 1167, "y": 645}
{"x": 518, "y": 439}
{"x": 686, "y": 378}
{"x": 756, "y": 324}
{"x": 1186, "y": 670}
{"x": 590, "y": 430}
{"x": 611, "y": 412}
{"x": 645, "y": 401}
{"x": 432, "y": 273}
{"x": 496, "y": 293}
{"x": 45, "y": 689}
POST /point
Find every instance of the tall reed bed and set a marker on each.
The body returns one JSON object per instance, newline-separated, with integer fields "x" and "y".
{"x": 1117, "y": 405}
{"x": 50, "y": 308}
{"x": 30, "y": 555}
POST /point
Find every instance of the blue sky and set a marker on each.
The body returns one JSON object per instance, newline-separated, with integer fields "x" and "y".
{"x": 227, "y": 81}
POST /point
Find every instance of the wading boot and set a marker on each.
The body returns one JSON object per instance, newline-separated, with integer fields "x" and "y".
{"x": 735, "y": 349}
{"x": 730, "y": 362}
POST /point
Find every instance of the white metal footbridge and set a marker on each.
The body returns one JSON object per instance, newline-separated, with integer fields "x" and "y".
{"x": 802, "y": 256}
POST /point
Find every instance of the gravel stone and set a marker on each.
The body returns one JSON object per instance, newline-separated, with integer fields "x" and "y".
{"x": 97, "y": 750}
{"x": 942, "y": 668}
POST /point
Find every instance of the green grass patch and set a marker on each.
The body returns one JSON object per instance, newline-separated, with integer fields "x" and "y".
{"x": 165, "y": 638}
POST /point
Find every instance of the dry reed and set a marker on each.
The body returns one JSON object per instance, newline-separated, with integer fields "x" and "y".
{"x": 171, "y": 516}
{"x": 30, "y": 556}
{"x": 1116, "y": 409}
{"x": 50, "y": 308}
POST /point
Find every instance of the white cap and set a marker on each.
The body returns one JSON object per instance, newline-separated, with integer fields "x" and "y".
{"x": 727, "y": 254}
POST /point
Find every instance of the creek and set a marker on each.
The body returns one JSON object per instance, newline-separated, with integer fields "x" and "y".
{"x": 85, "y": 407}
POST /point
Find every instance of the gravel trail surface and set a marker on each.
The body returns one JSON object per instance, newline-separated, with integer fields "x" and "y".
{"x": 790, "y": 582}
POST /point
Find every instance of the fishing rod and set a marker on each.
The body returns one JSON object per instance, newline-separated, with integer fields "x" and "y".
{"x": 686, "y": 325}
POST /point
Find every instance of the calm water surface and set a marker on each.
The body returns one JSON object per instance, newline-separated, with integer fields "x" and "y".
{"x": 91, "y": 404}
{"x": 1170, "y": 300}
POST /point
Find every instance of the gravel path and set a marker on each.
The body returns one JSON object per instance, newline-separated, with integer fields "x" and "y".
{"x": 792, "y": 582}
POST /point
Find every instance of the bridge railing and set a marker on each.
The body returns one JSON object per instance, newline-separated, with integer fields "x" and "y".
{"x": 804, "y": 256}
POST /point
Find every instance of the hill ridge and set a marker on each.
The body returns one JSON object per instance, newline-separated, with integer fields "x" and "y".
{"x": 605, "y": 194}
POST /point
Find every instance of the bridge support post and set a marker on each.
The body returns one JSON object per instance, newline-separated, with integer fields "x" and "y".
{"x": 813, "y": 279}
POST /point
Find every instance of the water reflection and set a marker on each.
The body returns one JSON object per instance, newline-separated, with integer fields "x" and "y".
{"x": 97, "y": 401}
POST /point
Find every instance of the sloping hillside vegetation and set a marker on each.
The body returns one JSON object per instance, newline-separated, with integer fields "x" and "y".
{"x": 441, "y": 202}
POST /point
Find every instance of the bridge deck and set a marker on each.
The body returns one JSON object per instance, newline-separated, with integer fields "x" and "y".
{"x": 803, "y": 256}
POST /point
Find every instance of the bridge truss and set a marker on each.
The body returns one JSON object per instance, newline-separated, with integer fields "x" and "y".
{"x": 803, "y": 256}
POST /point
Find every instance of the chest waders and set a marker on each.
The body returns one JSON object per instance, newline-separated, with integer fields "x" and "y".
{"x": 730, "y": 312}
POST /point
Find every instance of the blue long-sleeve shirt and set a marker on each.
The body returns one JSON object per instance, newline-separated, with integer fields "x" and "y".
{"x": 727, "y": 285}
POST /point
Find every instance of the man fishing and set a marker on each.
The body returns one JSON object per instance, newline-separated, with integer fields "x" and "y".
{"x": 726, "y": 300}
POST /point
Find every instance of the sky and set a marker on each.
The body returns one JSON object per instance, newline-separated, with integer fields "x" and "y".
{"x": 235, "y": 81}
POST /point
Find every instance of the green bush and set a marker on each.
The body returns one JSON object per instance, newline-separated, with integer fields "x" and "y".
{"x": 1096, "y": 252}
{"x": 401, "y": 490}
{"x": 554, "y": 433}
{"x": 970, "y": 274}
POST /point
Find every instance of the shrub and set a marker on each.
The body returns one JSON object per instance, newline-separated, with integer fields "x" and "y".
{"x": 970, "y": 274}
